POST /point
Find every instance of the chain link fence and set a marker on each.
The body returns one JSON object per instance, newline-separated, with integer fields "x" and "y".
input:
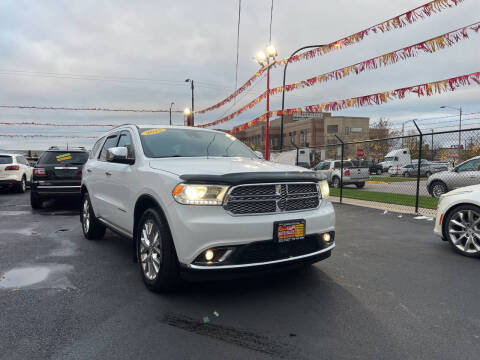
{"x": 404, "y": 173}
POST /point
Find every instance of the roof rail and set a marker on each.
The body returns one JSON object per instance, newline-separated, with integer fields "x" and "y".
{"x": 123, "y": 125}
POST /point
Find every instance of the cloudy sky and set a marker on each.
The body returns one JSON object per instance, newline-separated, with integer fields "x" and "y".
{"x": 137, "y": 54}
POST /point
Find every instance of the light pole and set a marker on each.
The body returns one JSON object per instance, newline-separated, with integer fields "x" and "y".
{"x": 171, "y": 112}
{"x": 262, "y": 58}
{"x": 193, "y": 103}
{"x": 459, "y": 127}
{"x": 283, "y": 87}
{"x": 403, "y": 127}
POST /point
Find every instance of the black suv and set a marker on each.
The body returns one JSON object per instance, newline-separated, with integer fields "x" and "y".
{"x": 57, "y": 173}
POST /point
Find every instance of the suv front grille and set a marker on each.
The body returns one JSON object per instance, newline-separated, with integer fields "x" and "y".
{"x": 272, "y": 198}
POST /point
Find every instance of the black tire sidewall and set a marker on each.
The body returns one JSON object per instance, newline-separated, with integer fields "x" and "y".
{"x": 445, "y": 228}
{"x": 168, "y": 274}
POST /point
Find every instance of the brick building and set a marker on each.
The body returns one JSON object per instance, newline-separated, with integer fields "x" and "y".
{"x": 307, "y": 129}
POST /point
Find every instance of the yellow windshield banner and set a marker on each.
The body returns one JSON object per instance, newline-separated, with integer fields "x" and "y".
{"x": 152, "y": 132}
{"x": 63, "y": 157}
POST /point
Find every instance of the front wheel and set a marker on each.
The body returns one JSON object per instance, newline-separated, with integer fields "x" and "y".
{"x": 379, "y": 172}
{"x": 406, "y": 174}
{"x": 462, "y": 230}
{"x": 360, "y": 185}
{"x": 156, "y": 253}
{"x": 438, "y": 188}
{"x": 336, "y": 182}
{"x": 93, "y": 229}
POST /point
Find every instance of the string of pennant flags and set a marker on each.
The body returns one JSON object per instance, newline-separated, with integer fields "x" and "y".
{"x": 427, "y": 89}
{"x": 88, "y": 109}
{"x": 402, "y": 20}
{"x": 428, "y": 46}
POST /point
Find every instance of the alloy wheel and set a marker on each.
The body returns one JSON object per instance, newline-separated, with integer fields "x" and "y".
{"x": 438, "y": 189}
{"x": 86, "y": 215}
{"x": 24, "y": 185}
{"x": 150, "y": 249}
{"x": 464, "y": 231}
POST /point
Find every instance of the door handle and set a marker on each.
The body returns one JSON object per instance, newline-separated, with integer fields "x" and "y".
{"x": 107, "y": 173}
{"x": 89, "y": 170}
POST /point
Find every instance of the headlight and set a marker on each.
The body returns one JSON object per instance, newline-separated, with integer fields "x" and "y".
{"x": 324, "y": 189}
{"x": 188, "y": 194}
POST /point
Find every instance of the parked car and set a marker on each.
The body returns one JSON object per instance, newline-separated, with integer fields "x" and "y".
{"x": 458, "y": 220}
{"x": 15, "y": 172}
{"x": 58, "y": 173}
{"x": 411, "y": 170}
{"x": 199, "y": 203}
{"x": 373, "y": 167}
{"x": 352, "y": 175}
{"x": 465, "y": 174}
{"x": 396, "y": 158}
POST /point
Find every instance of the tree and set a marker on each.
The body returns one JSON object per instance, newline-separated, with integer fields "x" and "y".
{"x": 381, "y": 129}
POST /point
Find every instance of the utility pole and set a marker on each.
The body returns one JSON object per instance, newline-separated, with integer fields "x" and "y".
{"x": 171, "y": 112}
{"x": 432, "y": 145}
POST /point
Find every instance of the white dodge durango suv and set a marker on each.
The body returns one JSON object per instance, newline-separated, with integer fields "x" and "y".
{"x": 199, "y": 203}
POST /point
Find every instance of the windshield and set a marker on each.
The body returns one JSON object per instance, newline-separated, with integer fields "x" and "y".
{"x": 160, "y": 143}
{"x": 63, "y": 157}
{"x": 4, "y": 159}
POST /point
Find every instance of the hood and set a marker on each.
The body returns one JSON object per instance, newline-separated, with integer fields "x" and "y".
{"x": 464, "y": 189}
{"x": 219, "y": 166}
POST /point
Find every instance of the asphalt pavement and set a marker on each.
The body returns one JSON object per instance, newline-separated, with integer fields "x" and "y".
{"x": 390, "y": 290}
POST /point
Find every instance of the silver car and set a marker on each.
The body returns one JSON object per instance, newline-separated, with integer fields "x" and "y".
{"x": 465, "y": 174}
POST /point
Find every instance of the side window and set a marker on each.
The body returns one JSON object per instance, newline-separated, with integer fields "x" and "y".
{"x": 96, "y": 147}
{"x": 337, "y": 165}
{"x": 472, "y": 165}
{"x": 109, "y": 143}
{"x": 125, "y": 140}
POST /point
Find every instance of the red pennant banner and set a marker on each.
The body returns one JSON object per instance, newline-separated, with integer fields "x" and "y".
{"x": 428, "y": 46}
{"x": 427, "y": 89}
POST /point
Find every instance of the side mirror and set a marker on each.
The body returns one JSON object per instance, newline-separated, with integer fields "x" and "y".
{"x": 118, "y": 155}
{"x": 259, "y": 154}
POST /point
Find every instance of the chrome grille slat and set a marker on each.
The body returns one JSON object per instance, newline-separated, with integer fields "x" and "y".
{"x": 250, "y": 199}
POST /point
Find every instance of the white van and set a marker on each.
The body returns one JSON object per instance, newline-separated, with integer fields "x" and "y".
{"x": 396, "y": 158}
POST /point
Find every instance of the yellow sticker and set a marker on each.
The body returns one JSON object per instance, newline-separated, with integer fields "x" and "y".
{"x": 64, "y": 157}
{"x": 152, "y": 131}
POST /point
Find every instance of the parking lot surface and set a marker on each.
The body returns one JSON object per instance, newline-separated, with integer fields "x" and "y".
{"x": 391, "y": 290}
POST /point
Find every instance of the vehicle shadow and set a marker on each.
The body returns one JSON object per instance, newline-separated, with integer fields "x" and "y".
{"x": 60, "y": 206}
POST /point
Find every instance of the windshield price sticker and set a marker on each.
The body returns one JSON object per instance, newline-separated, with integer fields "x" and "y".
{"x": 152, "y": 132}
{"x": 63, "y": 157}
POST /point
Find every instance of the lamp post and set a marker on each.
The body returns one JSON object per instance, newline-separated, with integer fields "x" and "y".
{"x": 262, "y": 58}
{"x": 403, "y": 127}
{"x": 187, "y": 113}
{"x": 459, "y": 127}
{"x": 193, "y": 103}
{"x": 283, "y": 87}
{"x": 171, "y": 104}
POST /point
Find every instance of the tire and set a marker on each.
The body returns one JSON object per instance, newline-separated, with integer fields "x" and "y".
{"x": 428, "y": 174}
{"x": 35, "y": 201}
{"x": 379, "y": 172}
{"x": 406, "y": 174}
{"x": 438, "y": 188}
{"x": 336, "y": 182}
{"x": 360, "y": 185}
{"x": 92, "y": 228}
{"x": 461, "y": 231}
{"x": 21, "y": 187}
{"x": 157, "y": 257}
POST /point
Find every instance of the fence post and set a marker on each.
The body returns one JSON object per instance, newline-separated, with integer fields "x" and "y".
{"x": 418, "y": 167}
{"x": 341, "y": 169}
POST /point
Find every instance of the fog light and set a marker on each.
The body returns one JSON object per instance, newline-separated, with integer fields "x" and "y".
{"x": 209, "y": 255}
{"x": 326, "y": 237}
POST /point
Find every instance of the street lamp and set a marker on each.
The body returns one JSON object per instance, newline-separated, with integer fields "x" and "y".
{"x": 263, "y": 59}
{"x": 171, "y": 112}
{"x": 459, "y": 127}
{"x": 283, "y": 87}
{"x": 187, "y": 112}
{"x": 403, "y": 127}
{"x": 193, "y": 105}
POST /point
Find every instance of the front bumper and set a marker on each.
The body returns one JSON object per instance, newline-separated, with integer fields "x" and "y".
{"x": 198, "y": 228}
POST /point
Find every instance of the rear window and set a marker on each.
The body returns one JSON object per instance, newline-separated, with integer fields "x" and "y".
{"x": 5, "y": 159}
{"x": 63, "y": 157}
